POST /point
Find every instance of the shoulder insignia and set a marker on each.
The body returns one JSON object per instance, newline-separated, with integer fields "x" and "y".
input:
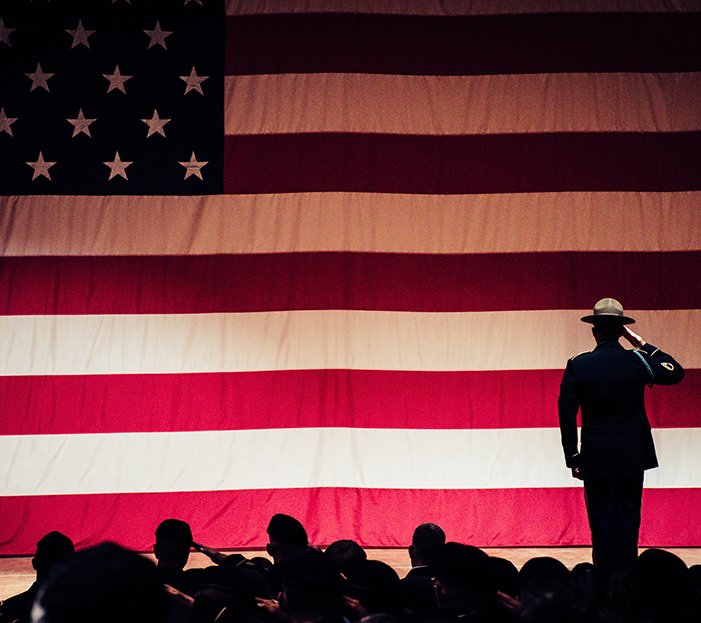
{"x": 669, "y": 366}
{"x": 584, "y": 352}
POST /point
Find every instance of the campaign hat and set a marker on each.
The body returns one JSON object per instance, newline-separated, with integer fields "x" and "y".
{"x": 608, "y": 308}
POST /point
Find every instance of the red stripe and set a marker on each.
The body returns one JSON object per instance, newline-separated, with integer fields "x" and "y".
{"x": 496, "y": 163}
{"x": 357, "y": 281}
{"x": 463, "y": 45}
{"x": 42, "y": 405}
{"x": 373, "y": 517}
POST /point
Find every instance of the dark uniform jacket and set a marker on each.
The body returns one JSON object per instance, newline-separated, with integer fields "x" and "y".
{"x": 19, "y": 607}
{"x": 608, "y": 385}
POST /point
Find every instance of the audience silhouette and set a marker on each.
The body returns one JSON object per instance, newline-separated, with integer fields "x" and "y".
{"x": 52, "y": 548}
{"x": 449, "y": 583}
{"x": 104, "y": 583}
{"x": 426, "y": 542}
{"x": 172, "y": 551}
{"x": 345, "y": 553}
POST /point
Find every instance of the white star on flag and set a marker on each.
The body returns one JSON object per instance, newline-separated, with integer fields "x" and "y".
{"x": 117, "y": 80}
{"x": 81, "y": 124}
{"x": 158, "y": 36}
{"x": 193, "y": 167}
{"x": 118, "y": 167}
{"x": 6, "y": 122}
{"x": 193, "y": 81}
{"x": 155, "y": 124}
{"x": 5, "y": 33}
{"x": 39, "y": 78}
{"x": 41, "y": 167}
{"x": 80, "y": 35}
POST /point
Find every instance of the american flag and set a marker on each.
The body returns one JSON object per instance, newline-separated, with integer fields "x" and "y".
{"x": 329, "y": 259}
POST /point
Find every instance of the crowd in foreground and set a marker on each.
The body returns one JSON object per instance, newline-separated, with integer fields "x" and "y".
{"x": 449, "y": 582}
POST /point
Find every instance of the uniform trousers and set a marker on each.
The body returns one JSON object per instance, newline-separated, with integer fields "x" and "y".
{"x": 614, "y": 509}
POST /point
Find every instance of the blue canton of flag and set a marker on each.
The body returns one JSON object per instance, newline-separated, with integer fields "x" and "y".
{"x": 105, "y": 97}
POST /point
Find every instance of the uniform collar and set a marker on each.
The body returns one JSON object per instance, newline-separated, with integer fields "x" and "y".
{"x": 612, "y": 344}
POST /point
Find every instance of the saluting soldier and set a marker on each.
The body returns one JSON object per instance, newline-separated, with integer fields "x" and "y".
{"x": 607, "y": 385}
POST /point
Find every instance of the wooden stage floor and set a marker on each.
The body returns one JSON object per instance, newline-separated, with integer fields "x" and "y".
{"x": 16, "y": 574}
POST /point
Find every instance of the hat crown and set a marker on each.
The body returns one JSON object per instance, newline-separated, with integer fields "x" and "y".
{"x": 608, "y": 308}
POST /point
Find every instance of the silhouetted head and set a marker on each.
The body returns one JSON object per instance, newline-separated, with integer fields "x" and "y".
{"x": 546, "y": 592}
{"x": 311, "y": 587}
{"x": 505, "y": 575}
{"x": 376, "y": 585}
{"x": 464, "y": 579}
{"x": 173, "y": 542}
{"x": 345, "y": 553}
{"x": 660, "y": 586}
{"x": 106, "y": 583}
{"x": 287, "y": 537}
{"x": 428, "y": 538}
{"x": 51, "y": 548}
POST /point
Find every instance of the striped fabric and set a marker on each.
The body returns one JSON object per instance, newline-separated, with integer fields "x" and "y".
{"x": 361, "y": 317}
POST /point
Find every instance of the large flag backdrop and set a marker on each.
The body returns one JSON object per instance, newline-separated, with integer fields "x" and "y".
{"x": 349, "y": 292}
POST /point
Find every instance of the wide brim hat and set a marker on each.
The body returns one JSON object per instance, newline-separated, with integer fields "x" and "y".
{"x": 608, "y": 308}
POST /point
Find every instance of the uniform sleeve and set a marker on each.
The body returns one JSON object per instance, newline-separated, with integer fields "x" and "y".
{"x": 568, "y": 406}
{"x": 664, "y": 368}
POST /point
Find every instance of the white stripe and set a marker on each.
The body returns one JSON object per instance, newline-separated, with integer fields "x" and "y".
{"x": 456, "y": 7}
{"x": 327, "y": 457}
{"x": 452, "y": 105}
{"x": 365, "y": 222}
{"x": 133, "y": 344}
